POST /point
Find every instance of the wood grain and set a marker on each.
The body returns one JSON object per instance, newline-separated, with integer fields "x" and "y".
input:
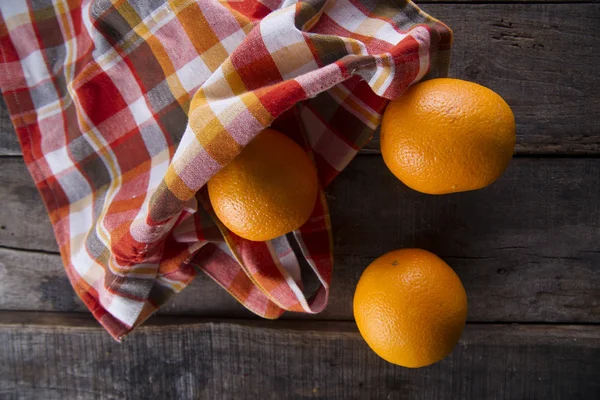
{"x": 9, "y": 145}
{"x": 24, "y": 222}
{"x": 530, "y": 230}
{"x": 526, "y": 248}
{"x": 37, "y": 281}
{"x": 275, "y": 360}
{"x": 542, "y": 58}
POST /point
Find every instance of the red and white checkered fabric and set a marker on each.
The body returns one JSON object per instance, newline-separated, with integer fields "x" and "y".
{"x": 125, "y": 109}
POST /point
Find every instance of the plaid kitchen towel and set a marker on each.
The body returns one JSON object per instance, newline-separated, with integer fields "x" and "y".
{"x": 126, "y": 108}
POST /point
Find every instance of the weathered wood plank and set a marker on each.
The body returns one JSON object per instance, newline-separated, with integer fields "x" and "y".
{"x": 530, "y": 230}
{"x": 24, "y": 222}
{"x": 37, "y": 281}
{"x": 33, "y": 281}
{"x": 9, "y": 145}
{"x": 540, "y": 57}
{"x": 276, "y": 360}
{"x": 526, "y": 248}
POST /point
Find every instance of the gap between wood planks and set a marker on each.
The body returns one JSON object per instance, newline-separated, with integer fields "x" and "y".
{"x": 36, "y": 320}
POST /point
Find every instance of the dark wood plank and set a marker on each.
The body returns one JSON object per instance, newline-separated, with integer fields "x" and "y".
{"x": 33, "y": 281}
{"x": 24, "y": 222}
{"x": 526, "y": 248}
{"x": 9, "y": 145}
{"x": 530, "y": 230}
{"x": 37, "y": 281}
{"x": 278, "y": 360}
{"x": 541, "y": 58}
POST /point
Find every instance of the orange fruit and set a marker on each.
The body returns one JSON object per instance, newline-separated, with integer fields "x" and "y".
{"x": 447, "y": 135}
{"x": 268, "y": 190}
{"x": 410, "y": 307}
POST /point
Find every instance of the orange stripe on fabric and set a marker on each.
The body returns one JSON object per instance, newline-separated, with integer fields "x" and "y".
{"x": 385, "y": 61}
{"x": 356, "y": 48}
{"x": 24, "y": 119}
{"x": 73, "y": 4}
{"x": 176, "y": 186}
{"x": 256, "y": 108}
{"x": 199, "y": 100}
{"x": 243, "y": 21}
{"x": 174, "y": 257}
{"x": 206, "y": 43}
{"x": 222, "y": 147}
{"x": 122, "y": 206}
{"x": 233, "y": 78}
{"x": 354, "y": 105}
{"x": 212, "y": 135}
{"x": 272, "y": 311}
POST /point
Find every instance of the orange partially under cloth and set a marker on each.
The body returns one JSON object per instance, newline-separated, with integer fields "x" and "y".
{"x": 441, "y": 136}
{"x": 447, "y": 135}
{"x": 410, "y": 307}
{"x": 268, "y": 190}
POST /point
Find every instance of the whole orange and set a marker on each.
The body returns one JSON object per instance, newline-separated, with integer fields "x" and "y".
{"x": 447, "y": 135}
{"x": 410, "y": 307}
{"x": 268, "y": 190}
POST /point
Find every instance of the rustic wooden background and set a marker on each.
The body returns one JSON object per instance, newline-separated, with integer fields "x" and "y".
{"x": 527, "y": 249}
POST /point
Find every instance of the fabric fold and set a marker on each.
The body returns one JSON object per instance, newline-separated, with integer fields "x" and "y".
{"x": 125, "y": 110}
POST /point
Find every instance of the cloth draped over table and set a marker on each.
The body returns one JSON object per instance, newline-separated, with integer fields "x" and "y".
{"x": 125, "y": 109}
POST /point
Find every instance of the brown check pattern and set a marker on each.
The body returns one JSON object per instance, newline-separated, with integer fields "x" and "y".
{"x": 125, "y": 109}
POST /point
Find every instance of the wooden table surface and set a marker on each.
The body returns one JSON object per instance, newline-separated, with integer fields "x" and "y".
{"x": 527, "y": 249}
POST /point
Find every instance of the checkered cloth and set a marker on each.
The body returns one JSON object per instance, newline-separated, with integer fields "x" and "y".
{"x": 125, "y": 109}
